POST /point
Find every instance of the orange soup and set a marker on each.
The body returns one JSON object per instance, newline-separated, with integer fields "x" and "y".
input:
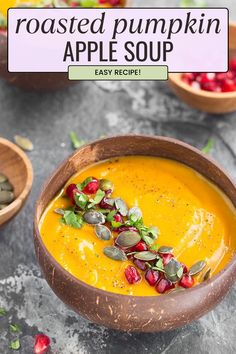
{"x": 140, "y": 226}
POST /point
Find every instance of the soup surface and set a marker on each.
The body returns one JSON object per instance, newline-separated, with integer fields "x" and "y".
{"x": 192, "y": 215}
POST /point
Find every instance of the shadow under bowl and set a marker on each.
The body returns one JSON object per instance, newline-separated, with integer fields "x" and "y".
{"x": 16, "y": 166}
{"x": 210, "y": 102}
{"x": 124, "y": 312}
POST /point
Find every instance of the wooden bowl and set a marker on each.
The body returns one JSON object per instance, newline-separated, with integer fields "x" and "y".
{"x": 206, "y": 101}
{"x": 41, "y": 82}
{"x": 125, "y": 312}
{"x": 17, "y": 167}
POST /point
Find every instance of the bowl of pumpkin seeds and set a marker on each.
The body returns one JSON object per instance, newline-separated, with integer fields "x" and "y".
{"x": 16, "y": 178}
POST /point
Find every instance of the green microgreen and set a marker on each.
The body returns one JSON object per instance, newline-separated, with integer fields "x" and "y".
{"x": 70, "y": 218}
{"x": 110, "y": 216}
{"x": 15, "y": 345}
{"x": 76, "y": 142}
{"x": 209, "y": 146}
{"x": 82, "y": 185}
{"x": 192, "y": 3}
{"x": 81, "y": 200}
{"x": 3, "y": 312}
{"x": 97, "y": 199}
{"x": 15, "y": 328}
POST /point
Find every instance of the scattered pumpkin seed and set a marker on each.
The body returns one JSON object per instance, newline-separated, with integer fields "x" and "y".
{"x": 115, "y": 253}
{"x": 207, "y": 275}
{"x": 6, "y": 186}
{"x": 6, "y": 197}
{"x": 128, "y": 239}
{"x": 135, "y": 214}
{"x": 197, "y": 267}
{"x": 145, "y": 256}
{"x": 94, "y": 217}
{"x": 177, "y": 290}
{"x": 3, "y": 178}
{"x": 121, "y": 206}
{"x": 59, "y": 211}
{"x": 165, "y": 249}
{"x": 24, "y": 143}
{"x": 106, "y": 185}
{"x": 171, "y": 269}
{"x": 102, "y": 232}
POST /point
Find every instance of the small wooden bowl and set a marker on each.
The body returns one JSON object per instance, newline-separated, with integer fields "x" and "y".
{"x": 124, "y": 312}
{"x": 41, "y": 82}
{"x": 17, "y": 167}
{"x": 206, "y": 101}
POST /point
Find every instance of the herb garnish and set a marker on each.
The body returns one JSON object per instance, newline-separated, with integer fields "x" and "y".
{"x": 15, "y": 345}
{"x": 209, "y": 146}
{"x": 70, "y": 218}
{"x": 15, "y": 328}
{"x": 3, "y": 312}
{"x": 76, "y": 142}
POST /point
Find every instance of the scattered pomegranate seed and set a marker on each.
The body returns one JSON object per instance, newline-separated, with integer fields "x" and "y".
{"x": 104, "y": 205}
{"x": 185, "y": 269}
{"x": 232, "y": 64}
{"x": 187, "y": 281}
{"x": 152, "y": 276}
{"x": 132, "y": 275}
{"x": 42, "y": 343}
{"x": 118, "y": 218}
{"x": 166, "y": 258}
{"x": 141, "y": 246}
{"x": 125, "y": 228}
{"x": 164, "y": 285}
{"x": 228, "y": 86}
{"x": 91, "y": 187}
{"x": 114, "y": 2}
{"x": 140, "y": 264}
{"x": 70, "y": 191}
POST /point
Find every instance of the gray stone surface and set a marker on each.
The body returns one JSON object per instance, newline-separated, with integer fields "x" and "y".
{"x": 92, "y": 110}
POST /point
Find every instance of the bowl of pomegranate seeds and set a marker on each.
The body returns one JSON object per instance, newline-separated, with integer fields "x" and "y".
{"x": 209, "y": 92}
{"x": 43, "y": 81}
{"x": 125, "y": 237}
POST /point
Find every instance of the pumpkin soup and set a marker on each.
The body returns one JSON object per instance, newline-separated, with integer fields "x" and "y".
{"x": 140, "y": 226}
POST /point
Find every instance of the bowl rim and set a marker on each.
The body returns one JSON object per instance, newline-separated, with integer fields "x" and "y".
{"x": 28, "y": 182}
{"x": 175, "y": 79}
{"x": 77, "y": 281}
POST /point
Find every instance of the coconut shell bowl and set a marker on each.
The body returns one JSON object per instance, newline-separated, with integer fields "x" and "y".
{"x": 207, "y": 101}
{"x": 17, "y": 168}
{"x": 125, "y": 312}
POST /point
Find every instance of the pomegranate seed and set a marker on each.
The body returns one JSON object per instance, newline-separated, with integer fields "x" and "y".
{"x": 164, "y": 285}
{"x": 228, "y": 86}
{"x": 92, "y": 187}
{"x": 132, "y": 275}
{"x": 188, "y": 78}
{"x": 166, "y": 258}
{"x": 70, "y": 191}
{"x": 141, "y": 246}
{"x": 187, "y": 281}
{"x": 185, "y": 269}
{"x": 152, "y": 276}
{"x": 114, "y": 2}
{"x": 211, "y": 86}
{"x": 118, "y": 218}
{"x": 104, "y": 205}
{"x": 140, "y": 264}
{"x": 232, "y": 64}
{"x": 206, "y": 78}
{"x": 102, "y": 1}
{"x": 42, "y": 343}
{"x": 125, "y": 228}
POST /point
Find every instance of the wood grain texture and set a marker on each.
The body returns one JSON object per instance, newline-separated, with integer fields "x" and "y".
{"x": 130, "y": 313}
{"x": 17, "y": 167}
{"x": 210, "y": 102}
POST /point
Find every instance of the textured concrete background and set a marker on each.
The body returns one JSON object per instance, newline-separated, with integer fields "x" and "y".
{"x": 92, "y": 110}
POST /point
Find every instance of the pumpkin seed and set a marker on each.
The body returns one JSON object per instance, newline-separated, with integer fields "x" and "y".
{"x": 24, "y": 143}
{"x": 197, "y": 267}
{"x": 6, "y": 197}
{"x": 135, "y": 214}
{"x": 94, "y": 217}
{"x": 165, "y": 249}
{"x": 59, "y": 211}
{"x": 207, "y": 275}
{"x": 115, "y": 253}
{"x": 121, "y": 206}
{"x": 102, "y": 232}
{"x": 2, "y": 206}
{"x": 128, "y": 239}
{"x": 60, "y": 3}
{"x": 106, "y": 185}
{"x": 3, "y": 178}
{"x": 172, "y": 269}
{"x": 145, "y": 256}
{"x": 6, "y": 186}
{"x": 177, "y": 290}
